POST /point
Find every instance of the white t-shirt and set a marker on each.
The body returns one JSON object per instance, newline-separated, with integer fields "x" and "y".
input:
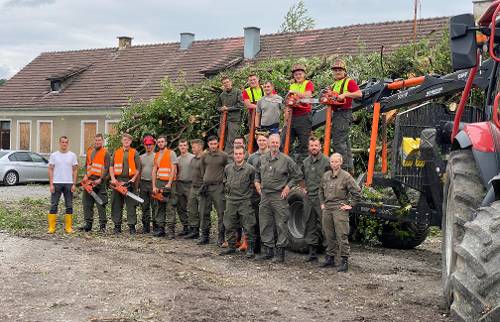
{"x": 63, "y": 166}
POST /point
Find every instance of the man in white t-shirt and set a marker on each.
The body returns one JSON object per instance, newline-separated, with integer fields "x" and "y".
{"x": 63, "y": 168}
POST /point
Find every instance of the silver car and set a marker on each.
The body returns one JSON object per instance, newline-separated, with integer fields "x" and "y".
{"x": 17, "y": 166}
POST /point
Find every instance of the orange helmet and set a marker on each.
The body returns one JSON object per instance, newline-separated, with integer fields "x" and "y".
{"x": 339, "y": 64}
{"x": 297, "y": 67}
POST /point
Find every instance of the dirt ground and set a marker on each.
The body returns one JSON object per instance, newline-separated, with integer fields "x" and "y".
{"x": 108, "y": 278}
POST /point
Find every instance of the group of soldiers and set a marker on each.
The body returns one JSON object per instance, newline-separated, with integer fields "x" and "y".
{"x": 249, "y": 192}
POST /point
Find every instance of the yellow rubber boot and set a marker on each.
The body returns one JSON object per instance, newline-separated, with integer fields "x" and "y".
{"x": 52, "y": 219}
{"x": 68, "y": 223}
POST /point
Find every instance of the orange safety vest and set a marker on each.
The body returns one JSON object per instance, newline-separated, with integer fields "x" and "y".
{"x": 164, "y": 166}
{"x": 95, "y": 167}
{"x": 118, "y": 162}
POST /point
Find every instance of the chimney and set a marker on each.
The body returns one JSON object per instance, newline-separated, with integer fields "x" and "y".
{"x": 479, "y": 7}
{"x": 187, "y": 39}
{"x": 252, "y": 42}
{"x": 124, "y": 42}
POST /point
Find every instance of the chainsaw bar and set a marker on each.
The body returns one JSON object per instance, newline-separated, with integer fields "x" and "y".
{"x": 135, "y": 197}
{"x": 97, "y": 198}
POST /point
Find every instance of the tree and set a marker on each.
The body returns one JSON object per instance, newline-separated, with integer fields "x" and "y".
{"x": 2, "y": 81}
{"x": 297, "y": 19}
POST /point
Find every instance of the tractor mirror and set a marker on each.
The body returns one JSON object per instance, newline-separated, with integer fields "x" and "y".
{"x": 463, "y": 41}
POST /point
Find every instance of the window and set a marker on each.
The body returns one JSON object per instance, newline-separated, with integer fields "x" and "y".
{"x": 89, "y": 130}
{"x": 45, "y": 137}
{"x": 5, "y": 135}
{"x": 20, "y": 156}
{"x": 55, "y": 85}
{"x": 37, "y": 158}
{"x": 24, "y": 135}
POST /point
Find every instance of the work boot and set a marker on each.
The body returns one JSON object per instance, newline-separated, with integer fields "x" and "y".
{"x": 170, "y": 234}
{"x": 68, "y": 223}
{"x": 250, "y": 253}
{"x": 204, "y": 239}
{"x": 118, "y": 229}
{"x": 267, "y": 254}
{"x": 343, "y": 265}
{"x": 159, "y": 232}
{"x": 155, "y": 227}
{"x": 146, "y": 227}
{"x": 52, "y": 220}
{"x": 102, "y": 228}
{"x": 193, "y": 233}
{"x": 279, "y": 257}
{"x": 220, "y": 239}
{"x": 86, "y": 228}
{"x": 228, "y": 251}
{"x": 131, "y": 229}
{"x": 313, "y": 256}
{"x": 184, "y": 231}
{"x": 329, "y": 261}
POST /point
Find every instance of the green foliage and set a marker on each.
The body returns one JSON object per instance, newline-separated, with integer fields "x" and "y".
{"x": 297, "y": 19}
{"x": 2, "y": 81}
{"x": 25, "y": 216}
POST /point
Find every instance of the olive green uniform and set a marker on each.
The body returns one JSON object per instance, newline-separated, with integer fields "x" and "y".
{"x": 118, "y": 200}
{"x": 253, "y": 160}
{"x": 313, "y": 168}
{"x": 213, "y": 164}
{"x": 146, "y": 188}
{"x": 165, "y": 214}
{"x": 274, "y": 173}
{"x": 182, "y": 187}
{"x": 335, "y": 190}
{"x": 194, "y": 199}
{"x": 88, "y": 202}
{"x": 234, "y": 102}
{"x": 238, "y": 183}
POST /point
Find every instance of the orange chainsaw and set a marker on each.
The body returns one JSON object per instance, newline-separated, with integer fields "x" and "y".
{"x": 123, "y": 188}
{"x": 89, "y": 185}
{"x": 328, "y": 97}
{"x": 162, "y": 194}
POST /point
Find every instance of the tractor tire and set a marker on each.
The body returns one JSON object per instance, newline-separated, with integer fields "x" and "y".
{"x": 417, "y": 233}
{"x": 297, "y": 222}
{"x": 475, "y": 283}
{"x": 463, "y": 192}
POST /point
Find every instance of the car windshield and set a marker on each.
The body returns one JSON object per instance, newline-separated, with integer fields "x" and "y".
{"x": 3, "y": 153}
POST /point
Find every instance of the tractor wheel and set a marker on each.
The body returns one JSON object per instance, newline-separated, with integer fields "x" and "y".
{"x": 297, "y": 222}
{"x": 475, "y": 283}
{"x": 403, "y": 236}
{"x": 463, "y": 192}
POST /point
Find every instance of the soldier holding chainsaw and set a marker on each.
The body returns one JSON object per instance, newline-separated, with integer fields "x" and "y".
{"x": 301, "y": 124}
{"x": 97, "y": 168}
{"x": 124, "y": 172}
{"x": 164, "y": 173}
{"x": 342, "y": 115}
{"x": 230, "y": 104}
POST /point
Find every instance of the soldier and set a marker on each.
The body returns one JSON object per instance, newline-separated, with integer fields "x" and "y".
{"x": 277, "y": 173}
{"x": 213, "y": 163}
{"x": 125, "y": 168}
{"x": 253, "y": 160}
{"x": 342, "y": 115}
{"x": 230, "y": 101}
{"x": 145, "y": 185}
{"x": 164, "y": 172}
{"x": 335, "y": 189}
{"x": 194, "y": 201}
{"x": 183, "y": 185}
{"x": 314, "y": 166}
{"x": 239, "y": 178}
{"x": 97, "y": 168}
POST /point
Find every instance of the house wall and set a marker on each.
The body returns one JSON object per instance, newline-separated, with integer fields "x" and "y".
{"x": 69, "y": 123}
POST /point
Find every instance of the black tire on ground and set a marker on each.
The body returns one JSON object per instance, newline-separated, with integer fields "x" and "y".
{"x": 11, "y": 178}
{"x": 463, "y": 192}
{"x": 475, "y": 283}
{"x": 413, "y": 235}
{"x": 297, "y": 222}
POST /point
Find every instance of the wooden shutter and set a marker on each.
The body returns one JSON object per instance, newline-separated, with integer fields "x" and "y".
{"x": 89, "y": 132}
{"x": 110, "y": 128}
{"x": 45, "y": 137}
{"x": 24, "y": 135}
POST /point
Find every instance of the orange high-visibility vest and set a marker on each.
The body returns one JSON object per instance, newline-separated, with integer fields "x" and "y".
{"x": 118, "y": 162}
{"x": 95, "y": 166}
{"x": 164, "y": 166}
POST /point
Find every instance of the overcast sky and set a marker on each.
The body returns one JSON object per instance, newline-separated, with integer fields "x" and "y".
{"x": 29, "y": 27}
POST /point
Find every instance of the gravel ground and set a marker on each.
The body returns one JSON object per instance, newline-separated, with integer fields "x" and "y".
{"x": 18, "y": 192}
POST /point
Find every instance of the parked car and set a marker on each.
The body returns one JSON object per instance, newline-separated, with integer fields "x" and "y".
{"x": 17, "y": 166}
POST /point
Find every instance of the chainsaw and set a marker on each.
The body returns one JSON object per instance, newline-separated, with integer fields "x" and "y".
{"x": 89, "y": 185}
{"x": 123, "y": 188}
{"x": 162, "y": 194}
{"x": 328, "y": 97}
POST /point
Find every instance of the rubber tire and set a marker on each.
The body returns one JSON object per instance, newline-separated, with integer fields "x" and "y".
{"x": 418, "y": 233}
{"x": 297, "y": 222}
{"x": 475, "y": 284}
{"x": 5, "y": 178}
{"x": 463, "y": 192}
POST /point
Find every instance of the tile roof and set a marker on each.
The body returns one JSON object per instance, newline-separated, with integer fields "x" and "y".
{"x": 110, "y": 77}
